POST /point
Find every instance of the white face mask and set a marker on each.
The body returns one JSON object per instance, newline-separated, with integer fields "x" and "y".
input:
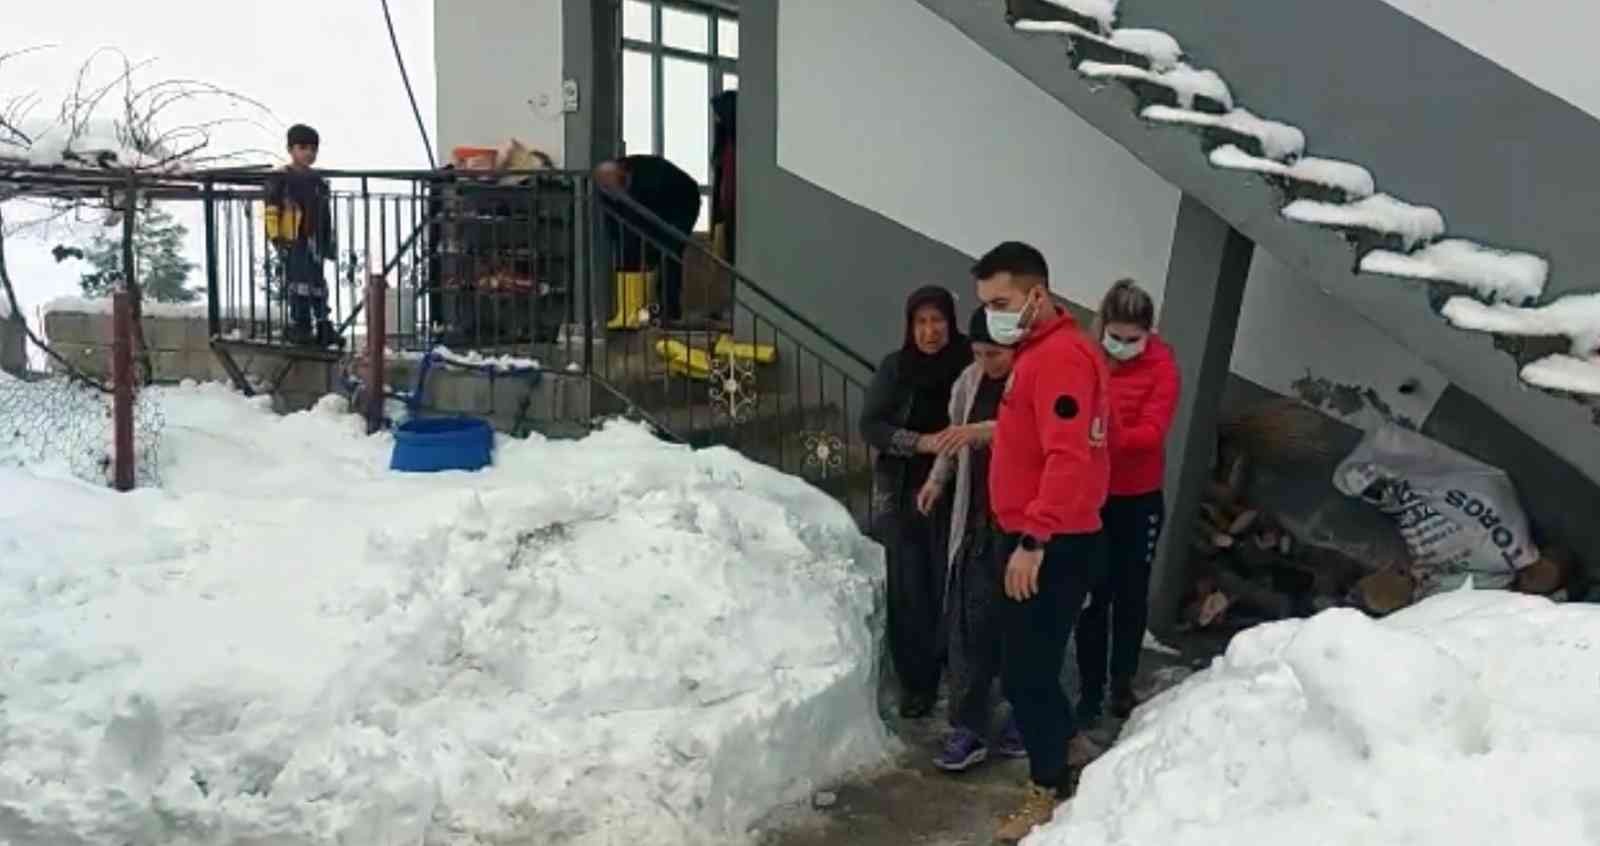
{"x": 1123, "y": 350}
{"x": 1007, "y": 328}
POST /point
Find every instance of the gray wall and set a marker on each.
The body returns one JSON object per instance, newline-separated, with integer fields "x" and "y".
{"x": 846, "y": 267}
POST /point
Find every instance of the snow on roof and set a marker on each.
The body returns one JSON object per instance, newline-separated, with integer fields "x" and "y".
{"x": 1576, "y": 316}
{"x": 1160, "y": 48}
{"x": 99, "y": 142}
{"x": 1103, "y": 11}
{"x": 1355, "y": 180}
{"x": 1278, "y": 140}
{"x": 1495, "y": 274}
{"x": 149, "y": 308}
{"x": 1565, "y": 373}
{"x": 1187, "y": 81}
{"x": 1379, "y": 213}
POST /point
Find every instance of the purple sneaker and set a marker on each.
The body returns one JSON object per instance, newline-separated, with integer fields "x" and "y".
{"x": 963, "y": 750}
{"x": 1010, "y": 743}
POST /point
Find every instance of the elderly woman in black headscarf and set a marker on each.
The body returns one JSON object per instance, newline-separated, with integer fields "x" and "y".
{"x": 906, "y": 419}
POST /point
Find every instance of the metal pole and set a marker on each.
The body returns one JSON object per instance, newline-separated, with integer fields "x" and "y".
{"x": 122, "y": 390}
{"x": 375, "y": 343}
{"x": 213, "y": 289}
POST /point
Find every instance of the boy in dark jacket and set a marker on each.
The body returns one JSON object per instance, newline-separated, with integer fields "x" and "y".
{"x": 299, "y": 223}
{"x": 1048, "y": 475}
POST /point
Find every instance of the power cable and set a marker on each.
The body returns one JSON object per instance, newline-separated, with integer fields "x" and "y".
{"x": 406, "y": 78}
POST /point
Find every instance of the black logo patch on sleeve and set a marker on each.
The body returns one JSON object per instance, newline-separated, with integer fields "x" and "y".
{"x": 1066, "y": 407}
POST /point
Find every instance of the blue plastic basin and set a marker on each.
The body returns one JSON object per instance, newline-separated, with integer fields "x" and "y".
{"x": 431, "y": 444}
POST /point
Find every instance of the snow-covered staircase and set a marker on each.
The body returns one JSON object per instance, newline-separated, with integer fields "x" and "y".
{"x": 1475, "y": 287}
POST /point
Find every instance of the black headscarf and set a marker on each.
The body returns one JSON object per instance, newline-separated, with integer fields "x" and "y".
{"x": 930, "y": 377}
{"x": 725, "y": 107}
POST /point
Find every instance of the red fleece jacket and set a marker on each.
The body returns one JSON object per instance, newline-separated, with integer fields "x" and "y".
{"x": 1048, "y": 465}
{"x": 1144, "y": 397}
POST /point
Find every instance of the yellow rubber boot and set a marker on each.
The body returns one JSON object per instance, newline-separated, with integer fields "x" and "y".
{"x": 759, "y": 353}
{"x": 632, "y": 293}
{"x": 683, "y": 361}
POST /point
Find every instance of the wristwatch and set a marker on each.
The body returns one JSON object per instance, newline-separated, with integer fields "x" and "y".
{"x": 1029, "y": 543}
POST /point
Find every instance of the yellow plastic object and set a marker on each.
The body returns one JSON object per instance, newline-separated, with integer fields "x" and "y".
{"x": 632, "y": 294}
{"x": 759, "y": 353}
{"x": 683, "y": 361}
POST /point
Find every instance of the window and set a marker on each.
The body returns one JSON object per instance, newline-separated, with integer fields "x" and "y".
{"x": 676, "y": 56}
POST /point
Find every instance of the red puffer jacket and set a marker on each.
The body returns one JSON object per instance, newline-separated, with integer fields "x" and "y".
{"x": 1144, "y": 397}
{"x": 1048, "y": 463}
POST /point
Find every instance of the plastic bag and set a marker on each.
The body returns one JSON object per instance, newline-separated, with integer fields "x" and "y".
{"x": 1459, "y": 517}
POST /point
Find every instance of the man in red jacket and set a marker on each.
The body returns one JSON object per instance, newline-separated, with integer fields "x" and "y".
{"x": 1048, "y": 475}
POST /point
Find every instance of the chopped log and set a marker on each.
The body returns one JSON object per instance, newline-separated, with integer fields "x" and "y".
{"x": 1384, "y": 592}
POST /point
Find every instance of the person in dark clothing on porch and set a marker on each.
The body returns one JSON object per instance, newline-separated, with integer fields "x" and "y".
{"x": 906, "y": 418}
{"x": 973, "y": 597}
{"x": 1048, "y": 476}
{"x": 668, "y": 193}
{"x": 725, "y": 174}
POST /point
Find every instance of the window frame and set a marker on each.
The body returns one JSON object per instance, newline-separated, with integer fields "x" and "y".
{"x": 717, "y": 66}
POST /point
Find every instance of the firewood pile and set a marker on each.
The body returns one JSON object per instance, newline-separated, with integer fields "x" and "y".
{"x": 1249, "y": 566}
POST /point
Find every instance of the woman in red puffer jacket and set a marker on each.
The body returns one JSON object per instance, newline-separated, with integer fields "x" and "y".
{"x": 1144, "y": 395}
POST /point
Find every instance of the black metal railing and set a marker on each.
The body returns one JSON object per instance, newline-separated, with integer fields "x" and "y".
{"x": 549, "y": 266}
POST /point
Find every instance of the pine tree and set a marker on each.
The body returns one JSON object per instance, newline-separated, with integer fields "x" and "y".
{"x": 163, "y": 273}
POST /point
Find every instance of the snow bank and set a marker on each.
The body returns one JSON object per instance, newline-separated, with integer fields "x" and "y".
{"x": 1577, "y": 316}
{"x": 478, "y": 361}
{"x": 1102, "y": 11}
{"x": 1187, "y": 82}
{"x": 1495, "y": 274}
{"x": 608, "y": 641}
{"x": 1278, "y": 140}
{"x": 1355, "y": 180}
{"x": 1380, "y": 213}
{"x": 1466, "y": 719}
{"x": 102, "y": 306}
{"x": 1565, "y": 373}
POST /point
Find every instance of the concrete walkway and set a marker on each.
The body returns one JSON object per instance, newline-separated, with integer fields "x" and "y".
{"x": 912, "y": 802}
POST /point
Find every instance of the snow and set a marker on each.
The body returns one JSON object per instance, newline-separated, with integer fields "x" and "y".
{"x": 1355, "y": 180}
{"x": 1160, "y": 48}
{"x": 1577, "y": 316}
{"x": 1102, "y": 11}
{"x": 99, "y": 141}
{"x": 476, "y": 360}
{"x": 1465, "y": 719}
{"x": 1494, "y": 274}
{"x": 1278, "y": 140}
{"x": 102, "y": 306}
{"x": 614, "y": 640}
{"x": 1187, "y": 82}
{"x": 1565, "y": 373}
{"x": 1379, "y": 213}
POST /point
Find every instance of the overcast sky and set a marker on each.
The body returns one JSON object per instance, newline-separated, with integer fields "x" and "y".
{"x": 327, "y": 63}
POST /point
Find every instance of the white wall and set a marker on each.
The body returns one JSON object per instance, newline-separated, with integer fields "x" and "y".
{"x": 1550, "y": 43}
{"x": 499, "y": 73}
{"x": 902, "y": 114}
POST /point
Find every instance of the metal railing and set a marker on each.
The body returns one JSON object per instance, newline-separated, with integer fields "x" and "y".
{"x": 543, "y": 265}
{"x": 549, "y": 266}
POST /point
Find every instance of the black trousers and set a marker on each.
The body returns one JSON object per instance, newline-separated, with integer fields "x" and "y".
{"x": 1035, "y": 635}
{"x": 973, "y": 608}
{"x": 916, "y": 587}
{"x": 1120, "y": 608}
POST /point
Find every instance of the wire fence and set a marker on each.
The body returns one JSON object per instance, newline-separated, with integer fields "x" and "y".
{"x": 66, "y": 424}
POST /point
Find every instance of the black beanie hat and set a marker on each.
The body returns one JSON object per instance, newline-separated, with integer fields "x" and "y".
{"x": 301, "y": 135}
{"x": 978, "y": 327}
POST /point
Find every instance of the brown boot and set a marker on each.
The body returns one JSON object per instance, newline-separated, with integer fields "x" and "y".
{"x": 1037, "y": 809}
{"x": 1081, "y": 751}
